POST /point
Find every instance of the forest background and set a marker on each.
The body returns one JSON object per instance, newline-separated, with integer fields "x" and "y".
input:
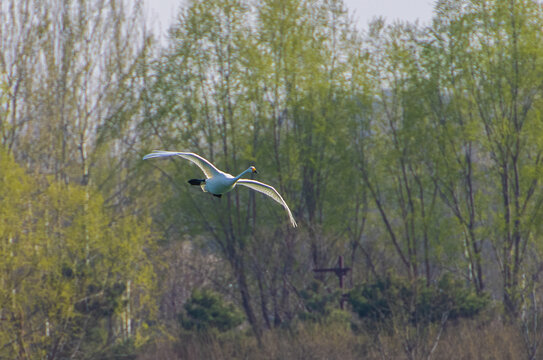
{"x": 415, "y": 152}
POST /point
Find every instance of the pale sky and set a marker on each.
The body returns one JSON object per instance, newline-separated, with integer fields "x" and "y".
{"x": 162, "y": 12}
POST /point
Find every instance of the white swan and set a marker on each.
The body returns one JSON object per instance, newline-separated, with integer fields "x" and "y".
{"x": 218, "y": 182}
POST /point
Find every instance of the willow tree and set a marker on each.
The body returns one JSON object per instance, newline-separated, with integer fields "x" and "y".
{"x": 306, "y": 103}
{"x": 507, "y": 93}
{"x": 266, "y": 82}
{"x": 73, "y": 281}
{"x": 494, "y": 90}
{"x": 200, "y": 105}
{"x": 455, "y": 163}
{"x": 397, "y": 148}
{"x": 71, "y": 71}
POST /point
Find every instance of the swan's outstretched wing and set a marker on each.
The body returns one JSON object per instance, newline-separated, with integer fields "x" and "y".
{"x": 270, "y": 191}
{"x": 208, "y": 168}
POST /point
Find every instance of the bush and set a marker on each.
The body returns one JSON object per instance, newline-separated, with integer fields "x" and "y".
{"x": 378, "y": 300}
{"x": 206, "y": 310}
{"x": 318, "y": 302}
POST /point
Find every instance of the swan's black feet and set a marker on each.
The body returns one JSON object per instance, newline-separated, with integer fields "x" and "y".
{"x": 219, "y": 195}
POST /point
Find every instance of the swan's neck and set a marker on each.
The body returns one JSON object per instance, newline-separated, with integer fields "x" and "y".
{"x": 249, "y": 170}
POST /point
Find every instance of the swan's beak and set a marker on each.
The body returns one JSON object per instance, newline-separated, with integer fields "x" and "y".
{"x": 254, "y": 170}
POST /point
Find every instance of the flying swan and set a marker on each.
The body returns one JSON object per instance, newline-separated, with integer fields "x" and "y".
{"x": 218, "y": 182}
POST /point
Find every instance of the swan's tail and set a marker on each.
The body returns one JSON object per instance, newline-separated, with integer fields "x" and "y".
{"x": 200, "y": 182}
{"x": 196, "y": 182}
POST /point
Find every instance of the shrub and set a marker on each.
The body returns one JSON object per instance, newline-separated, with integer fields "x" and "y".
{"x": 378, "y": 300}
{"x": 318, "y": 302}
{"x": 206, "y": 310}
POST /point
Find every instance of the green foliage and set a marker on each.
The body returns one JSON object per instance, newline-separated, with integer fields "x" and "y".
{"x": 407, "y": 149}
{"x": 68, "y": 274}
{"x": 391, "y": 296}
{"x": 319, "y": 303}
{"x": 454, "y": 297}
{"x": 372, "y": 300}
{"x": 206, "y": 310}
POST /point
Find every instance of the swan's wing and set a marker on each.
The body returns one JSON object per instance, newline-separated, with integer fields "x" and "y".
{"x": 208, "y": 168}
{"x": 270, "y": 191}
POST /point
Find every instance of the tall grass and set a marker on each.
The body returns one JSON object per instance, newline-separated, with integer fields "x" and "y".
{"x": 464, "y": 339}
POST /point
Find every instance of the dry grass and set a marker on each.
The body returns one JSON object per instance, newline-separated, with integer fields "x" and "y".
{"x": 462, "y": 340}
{"x": 470, "y": 340}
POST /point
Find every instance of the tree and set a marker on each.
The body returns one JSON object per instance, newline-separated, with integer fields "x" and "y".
{"x": 72, "y": 280}
{"x": 455, "y": 168}
{"x": 273, "y": 91}
{"x": 71, "y": 70}
{"x": 493, "y": 96}
{"x": 395, "y": 155}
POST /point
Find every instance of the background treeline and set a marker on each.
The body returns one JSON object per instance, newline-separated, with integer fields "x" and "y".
{"x": 415, "y": 152}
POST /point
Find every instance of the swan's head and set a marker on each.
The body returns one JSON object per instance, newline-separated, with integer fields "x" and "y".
{"x": 253, "y": 169}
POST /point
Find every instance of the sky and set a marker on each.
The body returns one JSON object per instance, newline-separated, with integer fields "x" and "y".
{"x": 162, "y": 12}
